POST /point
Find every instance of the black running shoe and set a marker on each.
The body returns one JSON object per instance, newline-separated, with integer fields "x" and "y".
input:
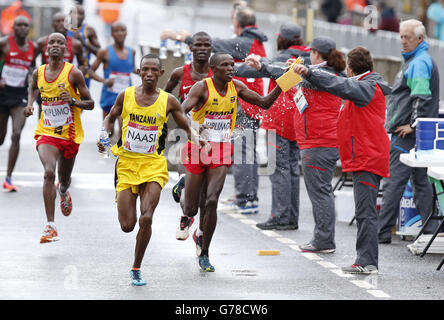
{"x": 177, "y": 189}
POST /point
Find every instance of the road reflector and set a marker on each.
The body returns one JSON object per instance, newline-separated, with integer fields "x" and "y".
{"x": 268, "y": 252}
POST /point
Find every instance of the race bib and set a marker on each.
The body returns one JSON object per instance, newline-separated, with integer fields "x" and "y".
{"x": 121, "y": 81}
{"x": 141, "y": 139}
{"x": 221, "y": 131}
{"x": 14, "y": 76}
{"x": 56, "y": 114}
{"x": 300, "y": 101}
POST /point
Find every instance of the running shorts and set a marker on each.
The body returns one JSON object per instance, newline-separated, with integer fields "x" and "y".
{"x": 68, "y": 147}
{"x": 8, "y": 102}
{"x": 196, "y": 160}
{"x": 131, "y": 173}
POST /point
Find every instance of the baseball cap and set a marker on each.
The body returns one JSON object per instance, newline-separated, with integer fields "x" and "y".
{"x": 323, "y": 44}
{"x": 290, "y": 31}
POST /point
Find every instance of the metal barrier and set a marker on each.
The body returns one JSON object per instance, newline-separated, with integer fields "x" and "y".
{"x": 215, "y": 21}
{"x": 381, "y": 43}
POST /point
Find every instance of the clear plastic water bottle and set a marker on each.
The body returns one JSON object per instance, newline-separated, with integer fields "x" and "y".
{"x": 183, "y": 48}
{"x": 104, "y": 139}
{"x": 163, "y": 51}
{"x": 177, "y": 53}
{"x": 188, "y": 57}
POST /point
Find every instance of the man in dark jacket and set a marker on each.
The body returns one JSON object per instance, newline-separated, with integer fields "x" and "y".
{"x": 415, "y": 94}
{"x": 279, "y": 122}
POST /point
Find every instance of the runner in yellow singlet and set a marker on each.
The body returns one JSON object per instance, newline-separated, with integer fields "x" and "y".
{"x": 141, "y": 168}
{"x": 213, "y": 102}
{"x": 59, "y": 131}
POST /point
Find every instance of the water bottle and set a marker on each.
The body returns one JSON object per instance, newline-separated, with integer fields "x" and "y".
{"x": 177, "y": 53}
{"x": 163, "y": 51}
{"x": 184, "y": 48}
{"x": 104, "y": 139}
{"x": 188, "y": 57}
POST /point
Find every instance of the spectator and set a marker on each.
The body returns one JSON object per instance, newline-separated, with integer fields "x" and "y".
{"x": 436, "y": 13}
{"x": 316, "y": 136}
{"x": 279, "y": 121}
{"x": 109, "y": 11}
{"x": 9, "y": 14}
{"x": 389, "y": 21}
{"x": 415, "y": 94}
{"x": 332, "y": 9}
{"x": 363, "y": 144}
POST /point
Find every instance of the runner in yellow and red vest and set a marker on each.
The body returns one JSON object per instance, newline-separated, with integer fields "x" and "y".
{"x": 141, "y": 168}
{"x": 213, "y": 102}
{"x": 59, "y": 131}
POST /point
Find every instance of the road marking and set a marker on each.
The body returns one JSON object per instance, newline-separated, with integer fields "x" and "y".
{"x": 286, "y": 240}
{"x": 378, "y": 293}
{"x": 362, "y": 284}
{"x": 327, "y": 264}
{"x": 339, "y": 272}
{"x": 248, "y": 221}
{"x": 295, "y": 247}
{"x": 370, "y": 286}
{"x": 311, "y": 256}
{"x": 270, "y": 233}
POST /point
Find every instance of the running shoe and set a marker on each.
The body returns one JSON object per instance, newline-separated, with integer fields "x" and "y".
{"x": 8, "y": 186}
{"x": 177, "y": 189}
{"x": 136, "y": 278}
{"x": 49, "y": 235}
{"x": 183, "y": 232}
{"x": 65, "y": 202}
{"x": 198, "y": 241}
{"x": 251, "y": 207}
{"x": 358, "y": 269}
{"x": 311, "y": 248}
{"x": 204, "y": 263}
{"x": 228, "y": 200}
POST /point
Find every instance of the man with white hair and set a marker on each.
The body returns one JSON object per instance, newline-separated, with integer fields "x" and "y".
{"x": 415, "y": 94}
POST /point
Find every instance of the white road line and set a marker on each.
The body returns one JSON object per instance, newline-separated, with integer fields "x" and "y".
{"x": 362, "y": 284}
{"x": 295, "y": 247}
{"x": 286, "y": 240}
{"x": 237, "y": 216}
{"x": 271, "y": 233}
{"x": 248, "y": 221}
{"x": 311, "y": 256}
{"x": 370, "y": 288}
{"x": 378, "y": 293}
{"x": 327, "y": 264}
{"x": 339, "y": 272}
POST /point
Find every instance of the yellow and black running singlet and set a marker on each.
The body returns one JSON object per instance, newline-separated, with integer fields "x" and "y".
{"x": 144, "y": 129}
{"x": 219, "y": 111}
{"x": 58, "y": 119}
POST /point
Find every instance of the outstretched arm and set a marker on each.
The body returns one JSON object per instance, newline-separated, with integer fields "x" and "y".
{"x": 254, "y": 98}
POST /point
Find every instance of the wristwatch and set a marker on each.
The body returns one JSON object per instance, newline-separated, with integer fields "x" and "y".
{"x": 73, "y": 101}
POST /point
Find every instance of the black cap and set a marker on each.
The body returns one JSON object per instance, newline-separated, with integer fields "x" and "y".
{"x": 323, "y": 44}
{"x": 290, "y": 31}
